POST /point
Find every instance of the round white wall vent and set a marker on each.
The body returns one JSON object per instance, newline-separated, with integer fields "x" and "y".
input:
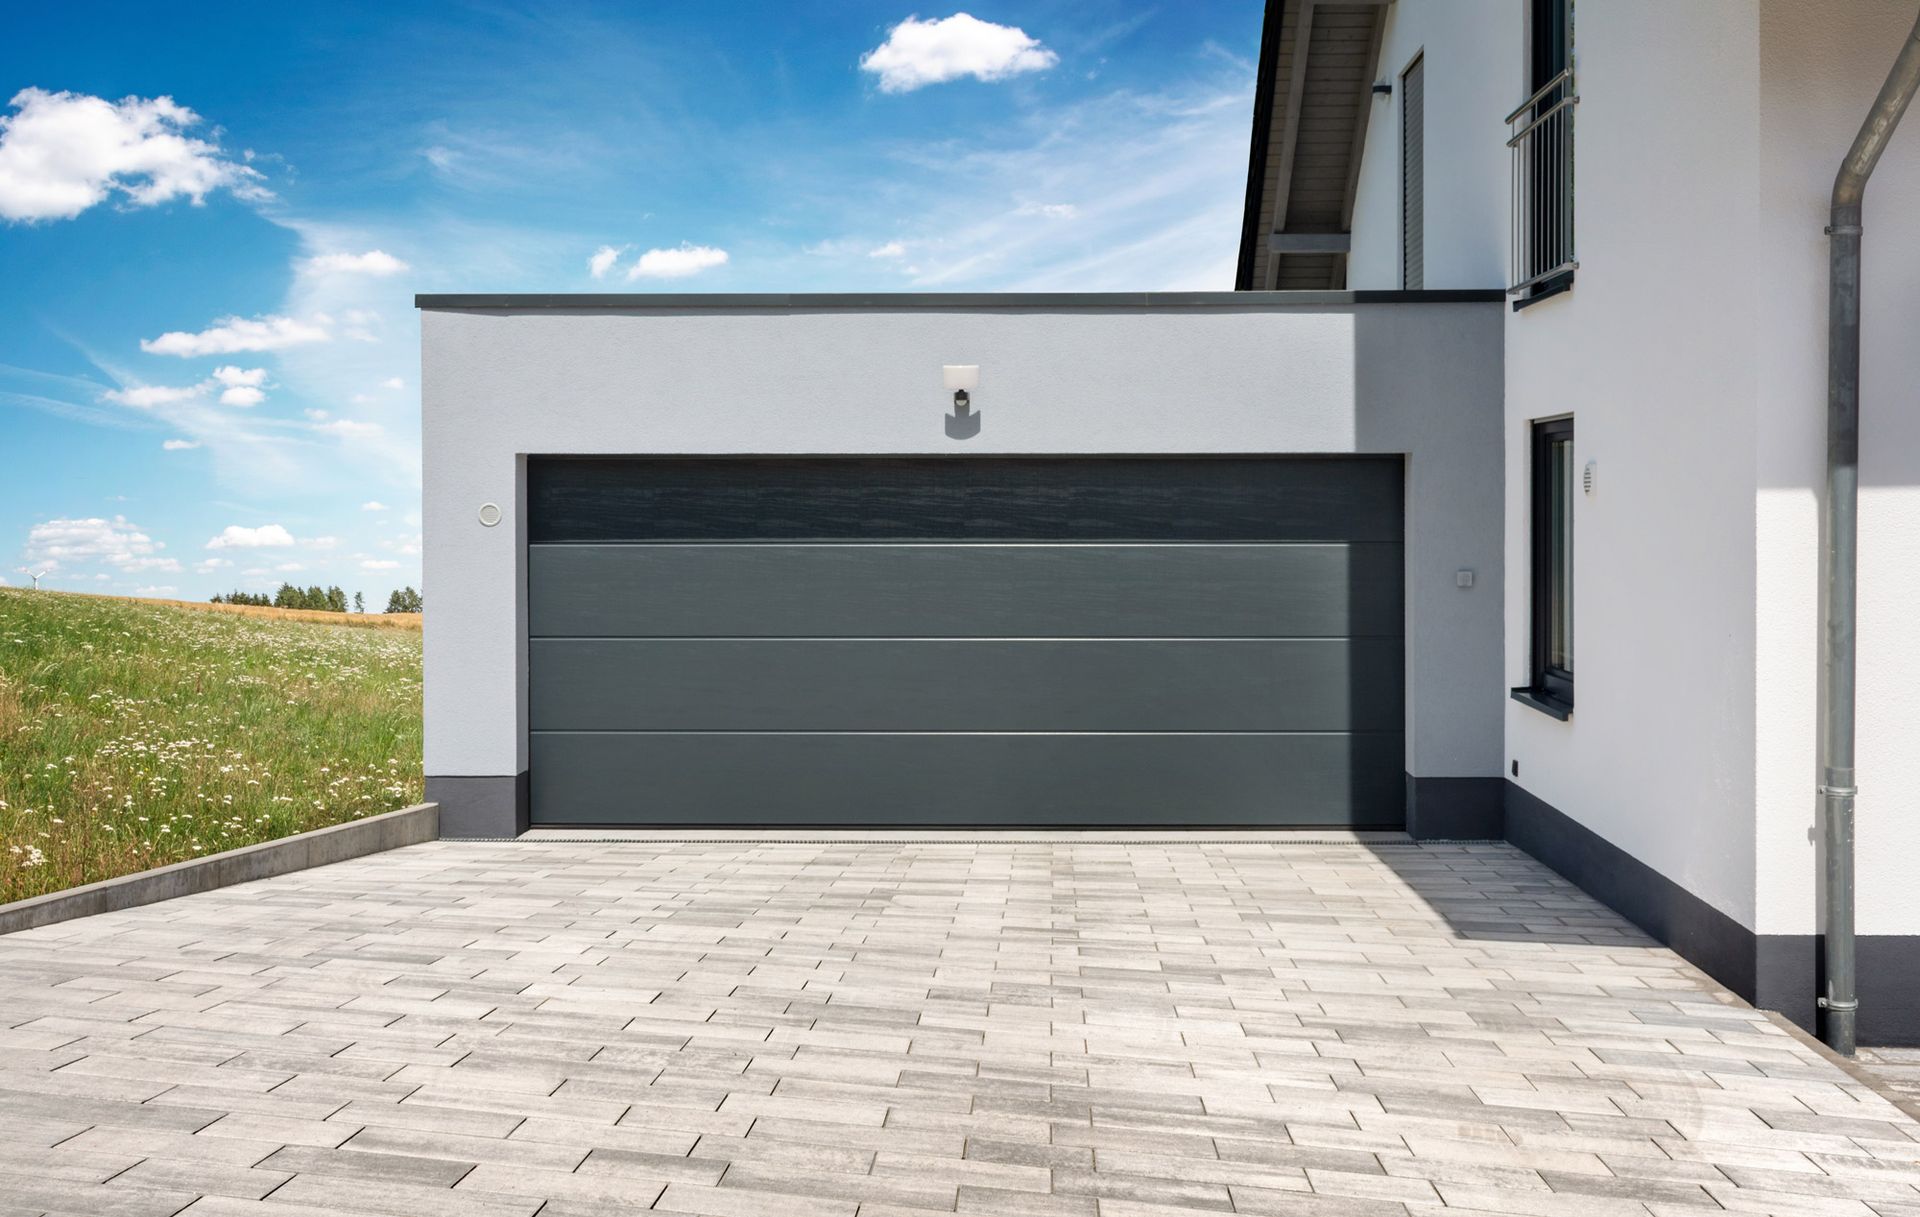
{"x": 489, "y": 514}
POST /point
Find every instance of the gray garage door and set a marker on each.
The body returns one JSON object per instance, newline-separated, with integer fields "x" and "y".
{"x": 968, "y": 641}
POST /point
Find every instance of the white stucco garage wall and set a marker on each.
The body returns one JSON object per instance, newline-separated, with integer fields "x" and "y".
{"x": 1218, "y": 373}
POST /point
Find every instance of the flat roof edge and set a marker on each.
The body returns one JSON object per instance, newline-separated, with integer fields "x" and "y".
{"x": 903, "y": 301}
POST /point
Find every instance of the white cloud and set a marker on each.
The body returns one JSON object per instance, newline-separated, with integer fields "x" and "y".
{"x": 318, "y": 416}
{"x": 241, "y": 388}
{"x": 322, "y": 542}
{"x": 288, "y": 568}
{"x": 371, "y": 564}
{"x": 240, "y": 378}
{"x": 918, "y": 53}
{"x": 393, "y": 382}
{"x": 210, "y": 565}
{"x": 375, "y": 262}
{"x": 180, "y": 445}
{"x": 151, "y": 590}
{"x": 676, "y": 263}
{"x": 145, "y": 397}
{"x": 229, "y": 335}
{"x": 348, "y": 427}
{"x": 1052, "y": 211}
{"x": 892, "y": 249}
{"x": 266, "y": 536}
{"x": 61, "y": 153}
{"x": 373, "y": 505}
{"x": 64, "y": 542}
{"x": 603, "y": 259}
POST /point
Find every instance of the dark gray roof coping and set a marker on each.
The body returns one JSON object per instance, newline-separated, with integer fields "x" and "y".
{"x": 904, "y": 301}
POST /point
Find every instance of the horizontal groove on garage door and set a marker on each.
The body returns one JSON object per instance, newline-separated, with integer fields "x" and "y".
{"x": 979, "y": 590}
{"x": 977, "y": 780}
{"x": 1054, "y": 499}
{"x": 1324, "y": 684}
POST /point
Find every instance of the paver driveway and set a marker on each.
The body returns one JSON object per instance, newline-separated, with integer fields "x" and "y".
{"x": 825, "y": 1029}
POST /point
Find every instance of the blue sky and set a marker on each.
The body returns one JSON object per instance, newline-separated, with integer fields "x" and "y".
{"x": 208, "y": 349}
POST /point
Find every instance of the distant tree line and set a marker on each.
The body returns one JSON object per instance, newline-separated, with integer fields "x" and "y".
{"x": 325, "y": 600}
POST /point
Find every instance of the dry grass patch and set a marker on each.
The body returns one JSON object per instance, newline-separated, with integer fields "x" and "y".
{"x": 134, "y": 734}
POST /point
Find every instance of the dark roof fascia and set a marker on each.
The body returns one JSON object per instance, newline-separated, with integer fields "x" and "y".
{"x": 1260, "y": 144}
{"x": 882, "y": 302}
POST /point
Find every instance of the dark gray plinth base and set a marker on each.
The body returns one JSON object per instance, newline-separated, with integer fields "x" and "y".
{"x": 488, "y": 807}
{"x": 1773, "y": 971}
{"x": 1456, "y": 809}
{"x": 354, "y": 839}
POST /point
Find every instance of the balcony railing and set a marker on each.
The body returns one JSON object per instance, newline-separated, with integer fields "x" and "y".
{"x": 1542, "y": 150}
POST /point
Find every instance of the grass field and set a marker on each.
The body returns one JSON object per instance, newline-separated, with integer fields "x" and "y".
{"x": 133, "y": 735}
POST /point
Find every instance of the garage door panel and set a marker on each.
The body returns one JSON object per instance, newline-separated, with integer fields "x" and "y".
{"x": 1002, "y": 641}
{"x": 972, "y": 685}
{"x": 882, "y": 591}
{"x": 818, "y": 779}
{"x": 969, "y": 499}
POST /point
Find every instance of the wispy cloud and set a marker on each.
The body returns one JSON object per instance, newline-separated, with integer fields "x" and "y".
{"x": 232, "y": 335}
{"x": 377, "y": 263}
{"x": 1119, "y": 190}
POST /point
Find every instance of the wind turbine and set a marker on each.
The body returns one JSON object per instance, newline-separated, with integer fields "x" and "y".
{"x": 36, "y": 578}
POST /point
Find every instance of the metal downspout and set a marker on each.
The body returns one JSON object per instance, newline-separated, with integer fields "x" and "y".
{"x": 1841, "y": 1001}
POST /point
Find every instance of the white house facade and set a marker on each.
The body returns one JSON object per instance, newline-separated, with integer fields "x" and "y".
{"x": 1687, "y": 350}
{"x": 1489, "y": 507}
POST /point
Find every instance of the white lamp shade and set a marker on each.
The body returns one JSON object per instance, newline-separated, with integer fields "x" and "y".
{"x": 959, "y": 376}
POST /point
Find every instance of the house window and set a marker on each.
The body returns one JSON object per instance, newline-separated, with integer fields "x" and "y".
{"x": 1550, "y": 686}
{"x": 1413, "y": 178}
{"x": 1542, "y": 151}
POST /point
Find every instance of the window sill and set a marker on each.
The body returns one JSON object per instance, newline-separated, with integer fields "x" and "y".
{"x": 1545, "y": 290}
{"x": 1546, "y": 703}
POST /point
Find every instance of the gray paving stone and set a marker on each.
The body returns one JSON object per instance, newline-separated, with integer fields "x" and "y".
{"x": 1045, "y": 1027}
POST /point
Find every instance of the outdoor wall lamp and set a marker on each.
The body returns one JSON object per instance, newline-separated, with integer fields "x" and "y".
{"x": 961, "y": 380}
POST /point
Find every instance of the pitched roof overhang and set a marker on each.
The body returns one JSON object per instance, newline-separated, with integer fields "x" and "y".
{"x": 1311, "y": 103}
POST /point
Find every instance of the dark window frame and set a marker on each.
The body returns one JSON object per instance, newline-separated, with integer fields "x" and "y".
{"x": 1549, "y": 53}
{"x": 1550, "y": 684}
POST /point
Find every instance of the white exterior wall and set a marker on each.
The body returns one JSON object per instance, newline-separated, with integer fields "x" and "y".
{"x": 1422, "y": 379}
{"x": 1475, "y": 74}
{"x": 1822, "y": 62}
{"x": 1653, "y": 353}
{"x": 1692, "y": 354}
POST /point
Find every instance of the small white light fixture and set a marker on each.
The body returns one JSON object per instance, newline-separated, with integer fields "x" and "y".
{"x": 961, "y": 380}
{"x": 489, "y": 514}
